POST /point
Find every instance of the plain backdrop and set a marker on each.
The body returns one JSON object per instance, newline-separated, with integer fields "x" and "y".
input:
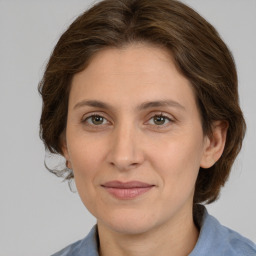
{"x": 38, "y": 213}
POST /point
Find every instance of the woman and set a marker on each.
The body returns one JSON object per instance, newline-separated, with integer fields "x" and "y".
{"x": 141, "y": 99}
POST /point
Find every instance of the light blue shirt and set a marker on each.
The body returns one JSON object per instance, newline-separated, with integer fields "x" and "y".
{"x": 214, "y": 240}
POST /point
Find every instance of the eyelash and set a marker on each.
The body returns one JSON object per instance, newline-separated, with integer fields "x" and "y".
{"x": 161, "y": 115}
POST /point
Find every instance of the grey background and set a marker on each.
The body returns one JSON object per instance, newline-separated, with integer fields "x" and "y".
{"x": 38, "y": 214}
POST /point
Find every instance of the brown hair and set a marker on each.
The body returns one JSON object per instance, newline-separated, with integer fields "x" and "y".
{"x": 199, "y": 53}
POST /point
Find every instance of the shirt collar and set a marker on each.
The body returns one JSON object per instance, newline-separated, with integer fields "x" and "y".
{"x": 90, "y": 245}
{"x": 214, "y": 239}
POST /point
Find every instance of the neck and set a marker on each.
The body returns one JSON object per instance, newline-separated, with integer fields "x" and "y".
{"x": 176, "y": 238}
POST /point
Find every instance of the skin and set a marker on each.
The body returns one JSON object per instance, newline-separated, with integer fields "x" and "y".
{"x": 127, "y": 143}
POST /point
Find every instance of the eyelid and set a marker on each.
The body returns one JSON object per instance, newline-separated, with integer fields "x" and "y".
{"x": 89, "y": 115}
{"x": 171, "y": 119}
{"x": 161, "y": 114}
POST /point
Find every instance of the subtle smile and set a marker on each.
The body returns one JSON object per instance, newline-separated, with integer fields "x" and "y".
{"x": 127, "y": 190}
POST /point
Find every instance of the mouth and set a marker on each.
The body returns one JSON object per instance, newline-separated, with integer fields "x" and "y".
{"x": 127, "y": 190}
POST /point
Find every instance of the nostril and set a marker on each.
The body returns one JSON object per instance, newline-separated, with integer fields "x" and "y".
{"x": 125, "y": 165}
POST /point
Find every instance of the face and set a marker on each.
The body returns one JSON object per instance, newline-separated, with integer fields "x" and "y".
{"x": 134, "y": 139}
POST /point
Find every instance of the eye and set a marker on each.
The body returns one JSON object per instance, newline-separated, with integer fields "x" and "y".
{"x": 95, "y": 120}
{"x": 159, "y": 120}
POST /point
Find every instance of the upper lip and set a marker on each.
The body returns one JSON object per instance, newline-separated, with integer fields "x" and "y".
{"x": 125, "y": 185}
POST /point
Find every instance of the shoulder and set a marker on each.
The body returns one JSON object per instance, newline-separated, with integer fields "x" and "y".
{"x": 231, "y": 242}
{"x": 72, "y": 249}
{"x": 85, "y": 247}
{"x": 220, "y": 240}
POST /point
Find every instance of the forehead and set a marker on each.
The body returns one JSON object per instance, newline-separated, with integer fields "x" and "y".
{"x": 132, "y": 59}
{"x": 137, "y": 72}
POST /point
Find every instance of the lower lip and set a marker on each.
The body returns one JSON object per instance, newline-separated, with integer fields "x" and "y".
{"x": 127, "y": 193}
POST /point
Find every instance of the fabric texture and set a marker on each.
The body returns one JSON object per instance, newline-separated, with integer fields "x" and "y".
{"x": 214, "y": 240}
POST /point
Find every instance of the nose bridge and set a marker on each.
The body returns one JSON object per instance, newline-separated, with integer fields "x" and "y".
{"x": 125, "y": 151}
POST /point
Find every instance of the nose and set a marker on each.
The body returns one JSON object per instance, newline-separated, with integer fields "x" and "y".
{"x": 125, "y": 151}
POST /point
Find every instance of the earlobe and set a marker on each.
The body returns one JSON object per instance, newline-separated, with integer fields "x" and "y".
{"x": 64, "y": 150}
{"x": 66, "y": 155}
{"x": 214, "y": 144}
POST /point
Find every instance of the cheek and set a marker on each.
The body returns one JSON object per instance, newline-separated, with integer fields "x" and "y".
{"x": 85, "y": 160}
{"x": 85, "y": 151}
{"x": 178, "y": 162}
{"x": 84, "y": 163}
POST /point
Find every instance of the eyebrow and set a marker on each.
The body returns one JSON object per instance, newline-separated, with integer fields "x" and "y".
{"x": 143, "y": 106}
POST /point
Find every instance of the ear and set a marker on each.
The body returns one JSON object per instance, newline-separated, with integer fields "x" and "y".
{"x": 214, "y": 144}
{"x": 64, "y": 149}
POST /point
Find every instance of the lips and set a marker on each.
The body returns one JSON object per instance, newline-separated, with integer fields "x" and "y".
{"x": 127, "y": 190}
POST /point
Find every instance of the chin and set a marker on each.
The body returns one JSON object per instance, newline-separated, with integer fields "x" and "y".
{"x": 130, "y": 223}
{"x": 130, "y": 228}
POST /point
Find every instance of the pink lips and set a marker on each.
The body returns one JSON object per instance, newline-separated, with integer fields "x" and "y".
{"x": 127, "y": 190}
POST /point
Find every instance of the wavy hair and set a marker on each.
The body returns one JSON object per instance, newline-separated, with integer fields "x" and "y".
{"x": 199, "y": 53}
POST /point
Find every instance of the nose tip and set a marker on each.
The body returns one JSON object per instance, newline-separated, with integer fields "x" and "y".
{"x": 125, "y": 151}
{"x": 124, "y": 164}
